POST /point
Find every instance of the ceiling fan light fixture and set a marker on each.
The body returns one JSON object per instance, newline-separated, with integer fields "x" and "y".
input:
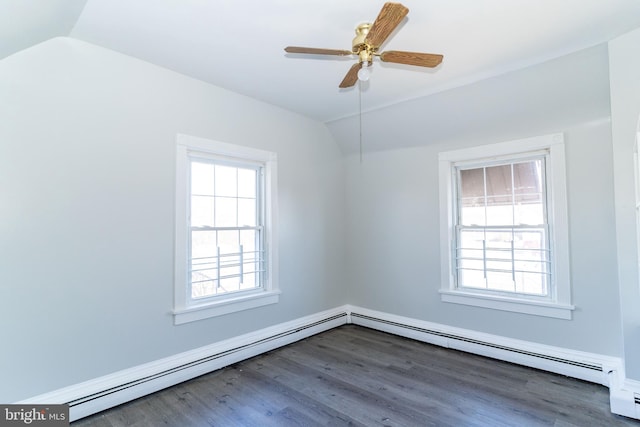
{"x": 364, "y": 73}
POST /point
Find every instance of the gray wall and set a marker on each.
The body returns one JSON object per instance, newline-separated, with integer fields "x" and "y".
{"x": 393, "y": 212}
{"x": 87, "y": 164}
{"x": 625, "y": 114}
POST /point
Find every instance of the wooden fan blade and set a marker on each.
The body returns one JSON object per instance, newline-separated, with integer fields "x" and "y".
{"x": 412, "y": 58}
{"x": 388, "y": 19}
{"x": 317, "y": 51}
{"x": 352, "y": 76}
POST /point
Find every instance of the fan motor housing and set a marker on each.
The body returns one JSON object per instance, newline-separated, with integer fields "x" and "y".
{"x": 361, "y": 34}
{"x": 359, "y": 45}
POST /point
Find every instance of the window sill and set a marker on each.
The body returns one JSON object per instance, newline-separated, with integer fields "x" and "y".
{"x": 226, "y": 306}
{"x": 536, "y": 308}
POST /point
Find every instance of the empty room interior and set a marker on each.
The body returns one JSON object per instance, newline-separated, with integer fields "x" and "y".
{"x": 187, "y": 185}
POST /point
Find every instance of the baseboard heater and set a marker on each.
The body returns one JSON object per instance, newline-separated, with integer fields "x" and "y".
{"x": 599, "y": 369}
{"x": 182, "y": 371}
{"x": 592, "y": 366}
{"x": 119, "y": 387}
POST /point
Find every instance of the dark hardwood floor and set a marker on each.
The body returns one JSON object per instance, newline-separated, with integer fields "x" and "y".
{"x": 361, "y": 377}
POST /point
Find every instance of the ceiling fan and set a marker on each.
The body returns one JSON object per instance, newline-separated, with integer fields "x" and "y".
{"x": 368, "y": 39}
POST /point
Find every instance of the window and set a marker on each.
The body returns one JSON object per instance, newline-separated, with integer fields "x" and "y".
{"x": 226, "y": 226}
{"x": 225, "y": 229}
{"x": 501, "y": 239}
{"x": 504, "y": 227}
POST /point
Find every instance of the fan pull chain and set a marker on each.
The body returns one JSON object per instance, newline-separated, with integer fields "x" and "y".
{"x": 360, "y": 115}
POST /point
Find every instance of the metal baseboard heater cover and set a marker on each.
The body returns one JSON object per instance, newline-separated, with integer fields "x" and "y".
{"x": 201, "y": 361}
{"x": 592, "y": 366}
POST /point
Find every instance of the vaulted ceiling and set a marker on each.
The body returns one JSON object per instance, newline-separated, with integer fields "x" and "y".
{"x": 238, "y": 44}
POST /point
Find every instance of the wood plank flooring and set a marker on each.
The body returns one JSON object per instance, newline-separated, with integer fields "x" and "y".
{"x": 355, "y": 376}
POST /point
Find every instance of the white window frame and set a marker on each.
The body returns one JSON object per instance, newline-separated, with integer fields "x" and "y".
{"x": 187, "y": 309}
{"x": 558, "y": 303}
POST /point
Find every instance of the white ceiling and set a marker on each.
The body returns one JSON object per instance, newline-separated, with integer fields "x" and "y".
{"x": 238, "y": 44}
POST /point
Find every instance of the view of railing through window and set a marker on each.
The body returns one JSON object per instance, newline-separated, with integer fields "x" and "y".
{"x": 502, "y": 236}
{"x": 226, "y": 219}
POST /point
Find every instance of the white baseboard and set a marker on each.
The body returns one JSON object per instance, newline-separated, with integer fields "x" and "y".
{"x": 586, "y": 366}
{"x": 596, "y": 368}
{"x": 105, "y": 392}
{"x": 96, "y": 395}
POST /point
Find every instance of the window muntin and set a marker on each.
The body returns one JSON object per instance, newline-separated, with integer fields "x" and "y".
{"x": 226, "y": 236}
{"x": 502, "y": 232}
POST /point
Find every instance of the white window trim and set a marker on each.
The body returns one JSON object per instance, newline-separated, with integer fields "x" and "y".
{"x": 184, "y": 311}
{"x": 559, "y": 304}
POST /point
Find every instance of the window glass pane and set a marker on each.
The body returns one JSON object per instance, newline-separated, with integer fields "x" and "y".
{"x": 229, "y": 284}
{"x": 249, "y": 281}
{"x": 248, "y": 241}
{"x": 204, "y": 263}
{"x": 472, "y": 185}
{"x": 501, "y": 266}
{"x": 472, "y": 198}
{"x": 499, "y": 239}
{"x": 252, "y": 263}
{"x": 499, "y": 255}
{"x": 528, "y": 211}
{"x": 202, "y": 178}
{"x": 247, "y": 183}
{"x": 201, "y": 211}
{"x": 499, "y": 195}
{"x": 529, "y": 266}
{"x": 531, "y": 283}
{"x": 471, "y": 214}
{"x": 502, "y": 201}
{"x": 470, "y": 254}
{"x": 226, "y": 213}
{"x": 500, "y": 281}
{"x": 238, "y": 270}
{"x": 472, "y": 239}
{"x": 471, "y": 264}
{"x": 249, "y": 266}
{"x": 502, "y": 195}
{"x": 508, "y": 267}
{"x": 247, "y": 212}
{"x": 232, "y": 271}
{"x": 527, "y": 177}
{"x": 226, "y": 181}
{"x": 229, "y": 244}
{"x": 229, "y": 261}
{"x": 498, "y": 180}
{"x": 203, "y": 244}
{"x": 531, "y": 255}
{"x": 529, "y": 239}
{"x": 471, "y": 279}
{"x": 499, "y": 211}
{"x": 202, "y": 287}
{"x": 229, "y": 241}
